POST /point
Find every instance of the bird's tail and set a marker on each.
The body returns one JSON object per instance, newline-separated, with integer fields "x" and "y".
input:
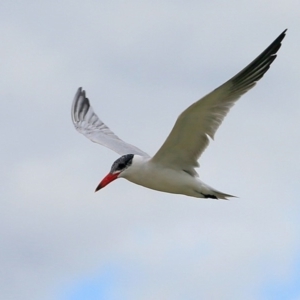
{"x": 209, "y": 192}
{"x": 222, "y": 196}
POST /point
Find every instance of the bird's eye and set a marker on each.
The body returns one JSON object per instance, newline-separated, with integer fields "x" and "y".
{"x": 121, "y": 166}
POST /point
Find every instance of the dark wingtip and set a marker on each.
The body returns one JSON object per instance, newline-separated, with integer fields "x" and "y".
{"x": 280, "y": 38}
{"x": 284, "y": 32}
{"x": 80, "y": 91}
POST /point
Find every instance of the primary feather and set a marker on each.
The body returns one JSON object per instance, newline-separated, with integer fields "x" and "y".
{"x": 190, "y": 134}
{"x": 87, "y": 122}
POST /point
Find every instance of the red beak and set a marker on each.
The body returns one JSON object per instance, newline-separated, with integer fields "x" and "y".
{"x": 106, "y": 180}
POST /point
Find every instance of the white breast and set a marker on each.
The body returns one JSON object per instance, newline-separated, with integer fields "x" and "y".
{"x": 155, "y": 176}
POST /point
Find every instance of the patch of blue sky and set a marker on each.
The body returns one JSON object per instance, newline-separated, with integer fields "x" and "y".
{"x": 288, "y": 289}
{"x": 103, "y": 285}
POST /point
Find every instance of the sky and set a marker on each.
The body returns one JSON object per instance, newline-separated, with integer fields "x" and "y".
{"x": 142, "y": 63}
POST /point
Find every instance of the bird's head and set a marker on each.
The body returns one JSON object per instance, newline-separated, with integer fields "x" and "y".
{"x": 120, "y": 165}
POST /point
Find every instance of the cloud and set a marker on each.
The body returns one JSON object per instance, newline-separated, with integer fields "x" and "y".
{"x": 142, "y": 64}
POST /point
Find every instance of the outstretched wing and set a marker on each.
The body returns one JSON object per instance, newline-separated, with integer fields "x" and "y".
{"x": 88, "y": 123}
{"x": 190, "y": 134}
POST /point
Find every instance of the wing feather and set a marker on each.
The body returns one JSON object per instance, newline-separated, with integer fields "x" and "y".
{"x": 87, "y": 122}
{"x": 190, "y": 134}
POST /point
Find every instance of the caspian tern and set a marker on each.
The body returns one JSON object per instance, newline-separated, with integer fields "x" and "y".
{"x": 172, "y": 168}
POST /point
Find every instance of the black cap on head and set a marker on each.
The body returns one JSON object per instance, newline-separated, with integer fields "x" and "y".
{"x": 122, "y": 163}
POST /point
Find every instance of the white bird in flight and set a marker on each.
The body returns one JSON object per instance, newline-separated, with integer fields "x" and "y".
{"x": 172, "y": 168}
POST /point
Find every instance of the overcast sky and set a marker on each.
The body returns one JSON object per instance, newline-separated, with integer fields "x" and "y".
{"x": 142, "y": 63}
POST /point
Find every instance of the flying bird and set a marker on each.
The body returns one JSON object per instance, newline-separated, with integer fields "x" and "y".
{"x": 172, "y": 168}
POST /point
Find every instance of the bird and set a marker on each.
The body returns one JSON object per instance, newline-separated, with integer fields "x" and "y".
{"x": 172, "y": 168}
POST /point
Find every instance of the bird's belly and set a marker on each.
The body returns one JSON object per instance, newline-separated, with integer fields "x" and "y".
{"x": 165, "y": 180}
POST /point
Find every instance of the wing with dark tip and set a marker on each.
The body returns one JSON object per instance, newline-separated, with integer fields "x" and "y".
{"x": 190, "y": 134}
{"x": 88, "y": 123}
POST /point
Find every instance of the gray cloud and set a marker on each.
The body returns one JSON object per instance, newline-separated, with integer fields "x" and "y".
{"x": 142, "y": 64}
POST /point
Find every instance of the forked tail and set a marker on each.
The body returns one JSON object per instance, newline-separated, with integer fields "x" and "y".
{"x": 217, "y": 195}
{"x": 209, "y": 192}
